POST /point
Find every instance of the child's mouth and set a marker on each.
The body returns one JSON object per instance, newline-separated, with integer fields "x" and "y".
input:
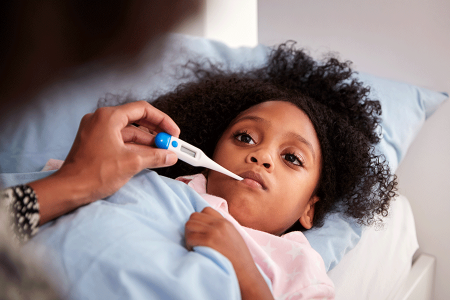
{"x": 253, "y": 179}
{"x": 252, "y": 183}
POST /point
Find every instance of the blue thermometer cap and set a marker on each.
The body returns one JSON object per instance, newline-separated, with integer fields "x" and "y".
{"x": 162, "y": 140}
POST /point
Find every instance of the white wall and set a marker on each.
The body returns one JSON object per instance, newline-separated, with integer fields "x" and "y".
{"x": 405, "y": 40}
{"x": 402, "y": 40}
{"x": 233, "y": 22}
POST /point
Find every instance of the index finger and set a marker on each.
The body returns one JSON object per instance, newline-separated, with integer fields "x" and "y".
{"x": 145, "y": 114}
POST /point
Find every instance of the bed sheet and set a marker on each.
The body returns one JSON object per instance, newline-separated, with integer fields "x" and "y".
{"x": 131, "y": 246}
{"x": 379, "y": 264}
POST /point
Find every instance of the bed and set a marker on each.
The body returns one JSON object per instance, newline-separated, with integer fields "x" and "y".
{"x": 385, "y": 38}
{"x": 373, "y": 263}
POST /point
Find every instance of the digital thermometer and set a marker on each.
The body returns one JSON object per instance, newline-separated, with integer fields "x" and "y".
{"x": 190, "y": 154}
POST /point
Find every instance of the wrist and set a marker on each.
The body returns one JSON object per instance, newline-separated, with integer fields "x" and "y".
{"x": 61, "y": 193}
{"x": 252, "y": 283}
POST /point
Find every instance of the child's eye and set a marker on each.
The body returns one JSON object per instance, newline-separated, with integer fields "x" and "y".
{"x": 293, "y": 159}
{"x": 244, "y": 138}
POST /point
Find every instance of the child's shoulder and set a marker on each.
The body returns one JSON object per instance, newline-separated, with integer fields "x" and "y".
{"x": 296, "y": 236}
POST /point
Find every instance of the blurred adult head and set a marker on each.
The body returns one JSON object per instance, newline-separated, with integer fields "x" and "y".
{"x": 42, "y": 39}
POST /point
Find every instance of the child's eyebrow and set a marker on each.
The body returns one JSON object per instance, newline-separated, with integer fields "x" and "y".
{"x": 290, "y": 134}
{"x": 252, "y": 118}
{"x": 302, "y": 140}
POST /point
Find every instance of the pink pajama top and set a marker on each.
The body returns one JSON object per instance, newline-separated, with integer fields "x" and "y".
{"x": 294, "y": 268}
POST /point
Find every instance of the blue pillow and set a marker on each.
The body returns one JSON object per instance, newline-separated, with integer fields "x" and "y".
{"x": 46, "y": 130}
{"x": 405, "y": 109}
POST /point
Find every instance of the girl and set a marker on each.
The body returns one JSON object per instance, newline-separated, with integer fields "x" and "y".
{"x": 302, "y": 134}
{"x": 273, "y": 146}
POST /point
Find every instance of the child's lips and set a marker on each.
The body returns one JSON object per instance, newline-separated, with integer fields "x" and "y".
{"x": 253, "y": 179}
{"x": 252, "y": 183}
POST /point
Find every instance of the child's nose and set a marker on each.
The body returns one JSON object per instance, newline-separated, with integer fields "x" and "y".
{"x": 262, "y": 158}
{"x": 266, "y": 165}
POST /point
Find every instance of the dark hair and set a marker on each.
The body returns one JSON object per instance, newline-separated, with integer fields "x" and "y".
{"x": 354, "y": 179}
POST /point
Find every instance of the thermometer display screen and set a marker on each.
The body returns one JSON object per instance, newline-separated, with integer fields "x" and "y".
{"x": 187, "y": 151}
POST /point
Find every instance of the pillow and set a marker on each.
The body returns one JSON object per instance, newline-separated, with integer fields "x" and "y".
{"x": 405, "y": 109}
{"x": 378, "y": 266}
{"x": 46, "y": 129}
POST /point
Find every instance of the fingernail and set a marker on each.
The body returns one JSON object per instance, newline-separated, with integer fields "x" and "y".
{"x": 171, "y": 159}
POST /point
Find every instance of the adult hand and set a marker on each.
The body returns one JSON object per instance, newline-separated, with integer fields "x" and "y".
{"x": 106, "y": 153}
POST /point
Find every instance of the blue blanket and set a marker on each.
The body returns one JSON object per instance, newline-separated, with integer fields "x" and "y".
{"x": 131, "y": 246}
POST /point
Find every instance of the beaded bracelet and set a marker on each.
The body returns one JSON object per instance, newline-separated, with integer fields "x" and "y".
{"x": 21, "y": 201}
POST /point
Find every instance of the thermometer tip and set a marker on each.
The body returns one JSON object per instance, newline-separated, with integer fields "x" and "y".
{"x": 238, "y": 177}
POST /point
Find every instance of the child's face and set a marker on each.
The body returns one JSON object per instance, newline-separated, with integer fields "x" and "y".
{"x": 274, "y": 146}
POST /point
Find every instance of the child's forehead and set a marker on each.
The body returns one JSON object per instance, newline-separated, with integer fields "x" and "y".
{"x": 271, "y": 104}
{"x": 265, "y": 111}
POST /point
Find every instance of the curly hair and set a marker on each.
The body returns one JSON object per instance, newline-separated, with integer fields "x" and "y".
{"x": 354, "y": 179}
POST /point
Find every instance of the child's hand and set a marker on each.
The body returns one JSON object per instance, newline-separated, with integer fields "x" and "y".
{"x": 209, "y": 228}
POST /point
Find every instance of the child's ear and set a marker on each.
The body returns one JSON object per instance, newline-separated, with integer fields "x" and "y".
{"x": 308, "y": 215}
